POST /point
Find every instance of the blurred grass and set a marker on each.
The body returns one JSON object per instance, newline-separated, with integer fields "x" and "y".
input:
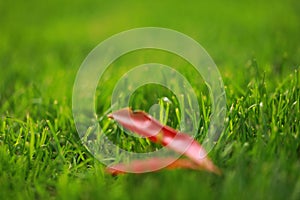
{"x": 255, "y": 45}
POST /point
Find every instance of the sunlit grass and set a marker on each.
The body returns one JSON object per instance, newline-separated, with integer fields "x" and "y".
{"x": 254, "y": 44}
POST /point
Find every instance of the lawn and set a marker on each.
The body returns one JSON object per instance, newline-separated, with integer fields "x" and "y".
{"x": 255, "y": 45}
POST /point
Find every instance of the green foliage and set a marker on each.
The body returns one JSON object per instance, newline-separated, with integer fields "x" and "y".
{"x": 255, "y": 45}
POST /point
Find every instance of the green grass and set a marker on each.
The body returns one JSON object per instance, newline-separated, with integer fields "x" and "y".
{"x": 255, "y": 45}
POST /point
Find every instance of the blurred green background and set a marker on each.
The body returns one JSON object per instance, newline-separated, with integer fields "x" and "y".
{"x": 45, "y": 42}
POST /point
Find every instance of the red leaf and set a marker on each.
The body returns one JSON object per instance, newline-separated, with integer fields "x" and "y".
{"x": 145, "y": 125}
{"x": 141, "y": 166}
